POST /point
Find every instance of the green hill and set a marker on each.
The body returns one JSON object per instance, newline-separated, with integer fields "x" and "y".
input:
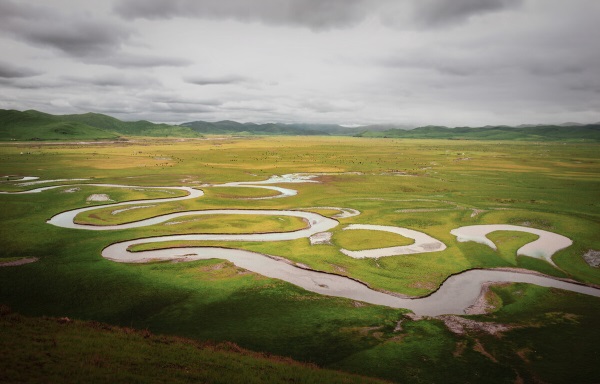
{"x": 130, "y": 128}
{"x": 575, "y": 133}
{"x": 35, "y": 125}
{"x": 47, "y": 350}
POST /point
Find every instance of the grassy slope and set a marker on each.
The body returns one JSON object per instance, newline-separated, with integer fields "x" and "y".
{"x": 34, "y": 125}
{"x": 130, "y": 128}
{"x": 548, "y": 186}
{"x": 42, "y": 350}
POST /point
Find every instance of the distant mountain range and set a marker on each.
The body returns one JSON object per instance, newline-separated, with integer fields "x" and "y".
{"x": 229, "y": 127}
{"x": 578, "y": 132}
{"x": 35, "y": 125}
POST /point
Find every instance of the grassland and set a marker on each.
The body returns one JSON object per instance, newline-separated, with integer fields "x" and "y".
{"x": 431, "y": 186}
{"x": 100, "y": 353}
{"x": 357, "y": 240}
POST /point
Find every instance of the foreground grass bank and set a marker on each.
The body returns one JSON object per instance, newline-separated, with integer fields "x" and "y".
{"x": 42, "y": 350}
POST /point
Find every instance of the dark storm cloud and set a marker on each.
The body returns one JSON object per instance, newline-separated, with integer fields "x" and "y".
{"x": 216, "y": 80}
{"x": 445, "y": 12}
{"x": 77, "y": 38}
{"x": 11, "y": 10}
{"x": 80, "y": 35}
{"x": 77, "y": 35}
{"x": 317, "y": 14}
{"x": 9, "y": 71}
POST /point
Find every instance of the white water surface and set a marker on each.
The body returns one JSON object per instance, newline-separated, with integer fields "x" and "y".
{"x": 543, "y": 248}
{"x": 454, "y": 296}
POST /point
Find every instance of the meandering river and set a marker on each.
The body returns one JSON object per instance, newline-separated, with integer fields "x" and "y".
{"x": 455, "y": 295}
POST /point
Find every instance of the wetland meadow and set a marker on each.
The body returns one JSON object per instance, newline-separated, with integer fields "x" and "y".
{"x": 403, "y": 260}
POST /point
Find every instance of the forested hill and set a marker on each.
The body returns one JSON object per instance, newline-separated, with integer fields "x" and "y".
{"x": 35, "y": 125}
{"x": 589, "y": 132}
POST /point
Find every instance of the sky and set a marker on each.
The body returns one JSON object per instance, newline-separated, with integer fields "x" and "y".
{"x": 350, "y": 62}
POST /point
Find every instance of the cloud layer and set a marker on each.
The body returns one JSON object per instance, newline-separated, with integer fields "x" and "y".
{"x": 460, "y": 62}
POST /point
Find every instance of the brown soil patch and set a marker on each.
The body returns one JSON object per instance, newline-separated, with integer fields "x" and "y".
{"x": 592, "y": 257}
{"x": 15, "y": 263}
{"x": 460, "y": 326}
{"x": 460, "y": 348}
{"x": 486, "y": 302}
{"x": 424, "y": 285}
{"x": 478, "y": 347}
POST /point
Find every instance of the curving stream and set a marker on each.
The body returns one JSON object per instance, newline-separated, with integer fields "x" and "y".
{"x": 454, "y": 296}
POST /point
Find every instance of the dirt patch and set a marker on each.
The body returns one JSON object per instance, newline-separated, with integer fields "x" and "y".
{"x": 524, "y": 354}
{"x": 460, "y": 348}
{"x": 592, "y": 257}
{"x": 424, "y": 285}
{"x": 321, "y": 238}
{"x": 478, "y": 347}
{"x": 15, "y": 263}
{"x": 220, "y": 271}
{"x": 476, "y": 212}
{"x": 338, "y": 269}
{"x": 460, "y": 326}
{"x": 117, "y": 211}
{"x": 374, "y": 332}
{"x": 215, "y": 267}
{"x": 399, "y": 326}
{"x": 484, "y": 303}
{"x": 99, "y": 197}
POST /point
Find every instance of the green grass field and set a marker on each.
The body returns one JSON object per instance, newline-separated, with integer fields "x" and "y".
{"x": 431, "y": 186}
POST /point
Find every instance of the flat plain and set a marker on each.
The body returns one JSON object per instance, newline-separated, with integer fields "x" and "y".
{"x": 432, "y": 186}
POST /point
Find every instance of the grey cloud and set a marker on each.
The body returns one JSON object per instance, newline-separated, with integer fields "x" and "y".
{"x": 20, "y": 83}
{"x": 317, "y": 15}
{"x": 9, "y": 71}
{"x": 79, "y": 38}
{"x": 77, "y": 35}
{"x": 216, "y": 80}
{"x": 326, "y": 106}
{"x": 182, "y": 108}
{"x": 320, "y": 14}
{"x": 162, "y": 98}
{"x": 10, "y": 10}
{"x": 114, "y": 80}
{"x": 445, "y": 12}
{"x": 130, "y": 60}
{"x": 90, "y": 39}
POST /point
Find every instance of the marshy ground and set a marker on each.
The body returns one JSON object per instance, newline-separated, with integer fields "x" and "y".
{"x": 426, "y": 186}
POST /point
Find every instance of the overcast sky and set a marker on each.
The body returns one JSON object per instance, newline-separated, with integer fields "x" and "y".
{"x": 414, "y": 62}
